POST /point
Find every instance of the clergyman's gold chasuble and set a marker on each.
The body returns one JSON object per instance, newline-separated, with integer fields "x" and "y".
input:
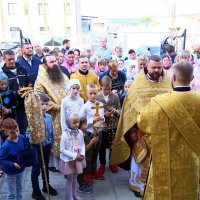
{"x": 56, "y": 92}
{"x": 139, "y": 94}
{"x": 173, "y": 122}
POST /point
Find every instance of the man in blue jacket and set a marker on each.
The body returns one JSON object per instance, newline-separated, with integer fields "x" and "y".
{"x": 29, "y": 62}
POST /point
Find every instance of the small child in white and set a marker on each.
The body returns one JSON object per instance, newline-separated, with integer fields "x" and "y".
{"x": 131, "y": 71}
{"x": 72, "y": 102}
{"x": 127, "y": 85}
{"x": 72, "y": 154}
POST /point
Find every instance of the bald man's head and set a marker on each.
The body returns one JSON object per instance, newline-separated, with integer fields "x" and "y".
{"x": 183, "y": 73}
{"x": 196, "y": 47}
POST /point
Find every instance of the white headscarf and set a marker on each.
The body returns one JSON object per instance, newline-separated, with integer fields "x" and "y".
{"x": 73, "y": 82}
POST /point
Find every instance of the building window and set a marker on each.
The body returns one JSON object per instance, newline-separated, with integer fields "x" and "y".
{"x": 14, "y": 29}
{"x": 86, "y": 25}
{"x": 68, "y": 30}
{"x": 13, "y": 8}
{"x": 15, "y": 32}
{"x": 42, "y": 8}
{"x": 67, "y": 8}
{"x": 44, "y": 28}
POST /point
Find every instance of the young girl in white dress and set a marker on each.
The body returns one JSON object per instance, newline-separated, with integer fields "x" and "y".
{"x": 72, "y": 154}
{"x": 72, "y": 102}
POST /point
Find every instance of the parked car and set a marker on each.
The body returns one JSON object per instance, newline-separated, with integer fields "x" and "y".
{"x": 9, "y": 45}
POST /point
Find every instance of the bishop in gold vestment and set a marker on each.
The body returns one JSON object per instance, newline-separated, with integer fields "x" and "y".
{"x": 139, "y": 94}
{"x": 56, "y": 92}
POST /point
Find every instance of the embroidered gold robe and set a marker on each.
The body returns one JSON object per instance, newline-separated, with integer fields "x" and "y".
{"x": 139, "y": 94}
{"x": 56, "y": 93}
{"x": 173, "y": 120}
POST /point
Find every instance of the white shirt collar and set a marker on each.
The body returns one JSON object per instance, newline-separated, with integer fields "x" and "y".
{"x": 29, "y": 61}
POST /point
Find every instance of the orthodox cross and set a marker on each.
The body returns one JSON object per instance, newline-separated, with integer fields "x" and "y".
{"x": 97, "y": 107}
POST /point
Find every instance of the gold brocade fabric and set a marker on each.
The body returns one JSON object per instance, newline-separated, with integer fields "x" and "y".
{"x": 139, "y": 94}
{"x": 56, "y": 93}
{"x": 34, "y": 116}
{"x": 173, "y": 121}
{"x": 147, "y": 160}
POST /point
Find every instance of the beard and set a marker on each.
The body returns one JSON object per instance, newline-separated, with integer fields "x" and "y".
{"x": 154, "y": 76}
{"x": 166, "y": 67}
{"x": 55, "y": 74}
{"x": 28, "y": 54}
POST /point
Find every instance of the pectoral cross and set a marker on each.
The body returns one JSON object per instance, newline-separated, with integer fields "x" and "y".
{"x": 97, "y": 107}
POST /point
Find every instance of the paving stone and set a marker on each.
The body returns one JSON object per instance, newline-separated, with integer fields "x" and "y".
{"x": 114, "y": 187}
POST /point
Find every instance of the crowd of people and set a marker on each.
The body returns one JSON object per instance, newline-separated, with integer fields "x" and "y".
{"x": 116, "y": 93}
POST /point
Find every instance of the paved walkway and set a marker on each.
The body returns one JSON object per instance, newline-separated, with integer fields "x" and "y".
{"x": 114, "y": 187}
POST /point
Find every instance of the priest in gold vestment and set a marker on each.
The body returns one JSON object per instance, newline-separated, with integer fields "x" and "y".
{"x": 148, "y": 83}
{"x": 52, "y": 81}
{"x": 172, "y": 121}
